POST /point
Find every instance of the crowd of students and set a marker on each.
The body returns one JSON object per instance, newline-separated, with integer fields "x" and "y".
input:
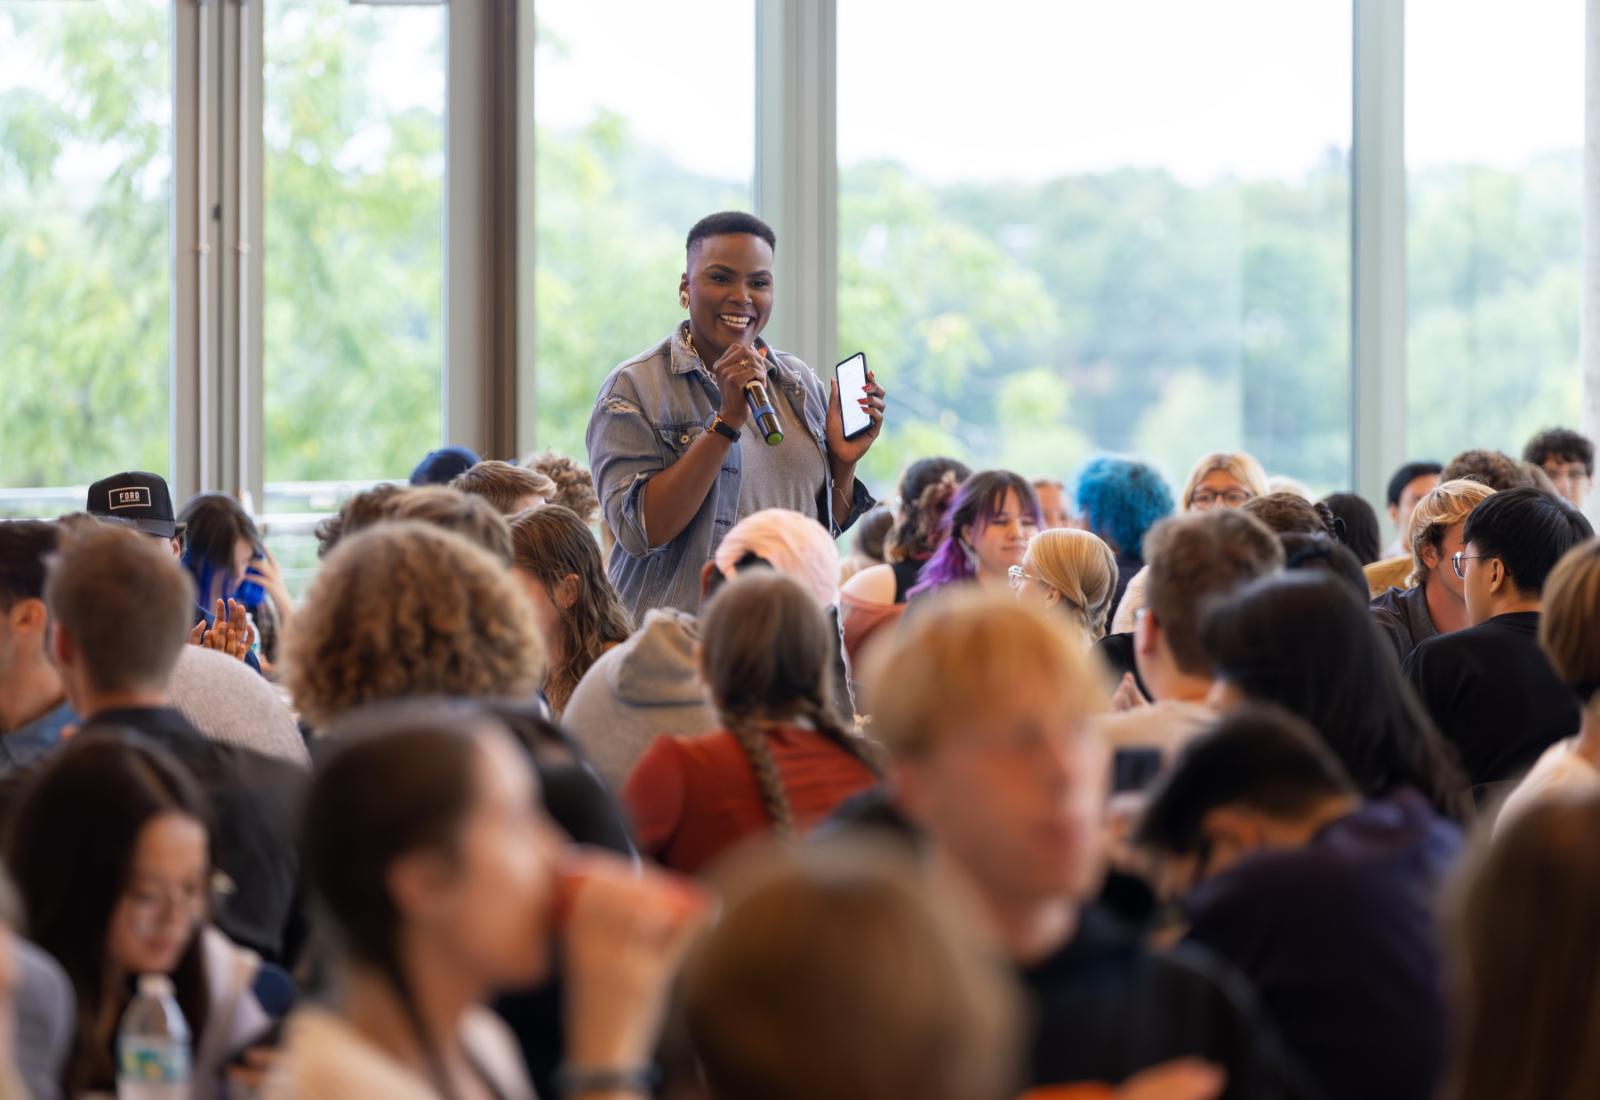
{"x": 1073, "y": 788}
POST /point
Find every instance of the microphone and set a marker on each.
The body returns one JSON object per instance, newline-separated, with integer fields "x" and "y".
{"x": 765, "y": 416}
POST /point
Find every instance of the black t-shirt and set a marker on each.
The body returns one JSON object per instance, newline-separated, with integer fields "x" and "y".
{"x": 1106, "y": 1008}
{"x": 255, "y": 804}
{"x": 1339, "y": 939}
{"x": 1493, "y": 694}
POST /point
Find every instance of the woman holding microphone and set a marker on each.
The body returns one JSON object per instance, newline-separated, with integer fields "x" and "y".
{"x": 678, "y": 458}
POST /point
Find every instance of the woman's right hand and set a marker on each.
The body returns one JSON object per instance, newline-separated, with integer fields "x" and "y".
{"x": 735, "y": 369}
{"x": 625, "y": 933}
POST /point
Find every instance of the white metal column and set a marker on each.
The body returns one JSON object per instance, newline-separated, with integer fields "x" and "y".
{"x": 1378, "y": 247}
{"x": 1589, "y": 326}
{"x": 797, "y": 171}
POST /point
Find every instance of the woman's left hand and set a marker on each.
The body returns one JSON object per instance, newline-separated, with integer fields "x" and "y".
{"x": 851, "y": 451}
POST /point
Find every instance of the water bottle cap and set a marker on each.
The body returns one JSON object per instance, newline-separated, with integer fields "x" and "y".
{"x": 155, "y": 985}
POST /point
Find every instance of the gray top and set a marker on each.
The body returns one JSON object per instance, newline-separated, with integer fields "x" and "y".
{"x": 791, "y": 475}
{"x": 1402, "y": 617}
{"x": 645, "y": 687}
{"x": 47, "y": 1022}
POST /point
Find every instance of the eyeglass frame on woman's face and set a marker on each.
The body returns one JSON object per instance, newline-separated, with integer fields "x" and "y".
{"x": 1458, "y": 562}
{"x": 1206, "y": 499}
{"x": 1017, "y": 578}
{"x": 152, "y": 907}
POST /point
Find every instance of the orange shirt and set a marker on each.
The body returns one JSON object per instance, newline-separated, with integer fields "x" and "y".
{"x": 690, "y": 798}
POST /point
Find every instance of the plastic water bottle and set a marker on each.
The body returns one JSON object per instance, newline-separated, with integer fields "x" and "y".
{"x": 153, "y": 1044}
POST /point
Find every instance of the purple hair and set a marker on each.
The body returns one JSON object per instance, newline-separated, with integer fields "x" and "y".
{"x": 979, "y": 500}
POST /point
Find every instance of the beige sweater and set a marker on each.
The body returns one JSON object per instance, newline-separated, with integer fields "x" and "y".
{"x": 230, "y": 702}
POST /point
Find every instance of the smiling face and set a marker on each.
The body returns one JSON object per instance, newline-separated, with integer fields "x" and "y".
{"x": 1002, "y": 541}
{"x": 729, "y": 283}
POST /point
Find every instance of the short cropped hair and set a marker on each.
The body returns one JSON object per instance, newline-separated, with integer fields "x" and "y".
{"x": 1261, "y": 757}
{"x": 1528, "y": 531}
{"x": 356, "y": 514}
{"x": 964, "y": 646}
{"x": 730, "y": 221}
{"x": 1405, "y": 475}
{"x": 503, "y": 485}
{"x": 406, "y": 609}
{"x": 1561, "y": 444}
{"x": 1195, "y": 558}
{"x": 574, "y": 485}
{"x": 1569, "y": 629}
{"x": 126, "y": 604}
{"x": 1496, "y": 470}
{"x": 25, "y": 544}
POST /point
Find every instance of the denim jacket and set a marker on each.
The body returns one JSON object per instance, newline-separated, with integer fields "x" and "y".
{"x": 649, "y": 411}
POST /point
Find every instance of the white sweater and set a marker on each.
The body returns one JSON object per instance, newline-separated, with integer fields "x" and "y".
{"x": 230, "y": 702}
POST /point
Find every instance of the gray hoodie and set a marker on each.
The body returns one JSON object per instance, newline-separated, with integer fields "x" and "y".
{"x": 645, "y": 687}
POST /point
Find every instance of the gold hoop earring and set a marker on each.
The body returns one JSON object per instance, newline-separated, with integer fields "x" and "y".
{"x": 683, "y": 299}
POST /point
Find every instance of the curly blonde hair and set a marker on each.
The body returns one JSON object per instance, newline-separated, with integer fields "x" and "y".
{"x": 407, "y": 609}
{"x": 574, "y": 484}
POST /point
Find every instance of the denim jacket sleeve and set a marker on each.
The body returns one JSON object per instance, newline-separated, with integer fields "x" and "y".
{"x": 625, "y": 453}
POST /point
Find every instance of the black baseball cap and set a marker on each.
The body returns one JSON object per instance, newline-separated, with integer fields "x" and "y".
{"x": 138, "y": 499}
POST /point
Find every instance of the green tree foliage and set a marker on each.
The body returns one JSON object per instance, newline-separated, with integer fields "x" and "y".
{"x": 1014, "y": 324}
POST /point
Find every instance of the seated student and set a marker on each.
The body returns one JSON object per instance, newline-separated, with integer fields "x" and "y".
{"x": 781, "y": 763}
{"x": 510, "y": 489}
{"x": 1569, "y": 634}
{"x": 1568, "y": 459}
{"x": 1286, "y": 513}
{"x": 38, "y": 1014}
{"x": 224, "y": 553}
{"x": 1073, "y": 571}
{"x": 574, "y": 485}
{"x": 850, "y": 947}
{"x": 1410, "y": 483}
{"x": 1358, "y": 525}
{"x": 1434, "y": 603}
{"x": 866, "y": 548}
{"x": 443, "y": 466}
{"x": 847, "y": 947}
{"x": 131, "y": 824}
{"x": 444, "y": 882}
{"x": 650, "y": 685}
{"x": 1524, "y": 931}
{"x": 1194, "y": 559}
{"x": 1053, "y": 511}
{"x": 875, "y": 598}
{"x": 1321, "y": 554}
{"x": 1298, "y": 641}
{"x": 471, "y": 517}
{"x": 33, "y": 703}
{"x": 361, "y": 511}
{"x": 120, "y": 606}
{"x": 984, "y": 706}
{"x": 1489, "y": 688}
{"x": 1120, "y": 499}
{"x": 1497, "y": 470}
{"x": 558, "y": 564}
{"x": 1221, "y": 480}
{"x": 1326, "y": 903}
{"x": 984, "y": 534}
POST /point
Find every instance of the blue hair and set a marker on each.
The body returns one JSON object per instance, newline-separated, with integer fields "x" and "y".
{"x": 1121, "y": 499}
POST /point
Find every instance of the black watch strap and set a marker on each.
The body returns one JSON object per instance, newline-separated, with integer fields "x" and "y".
{"x": 723, "y": 428}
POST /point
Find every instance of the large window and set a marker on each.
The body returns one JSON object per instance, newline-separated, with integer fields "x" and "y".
{"x": 1494, "y": 159}
{"x": 354, "y": 286}
{"x": 644, "y": 123}
{"x": 85, "y": 250}
{"x": 1087, "y": 227}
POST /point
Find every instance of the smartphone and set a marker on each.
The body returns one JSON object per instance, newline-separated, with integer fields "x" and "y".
{"x": 852, "y": 378}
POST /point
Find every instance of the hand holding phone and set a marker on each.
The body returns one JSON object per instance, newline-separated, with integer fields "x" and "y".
{"x": 852, "y": 378}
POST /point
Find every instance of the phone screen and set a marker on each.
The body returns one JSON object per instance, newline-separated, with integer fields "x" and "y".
{"x": 852, "y": 376}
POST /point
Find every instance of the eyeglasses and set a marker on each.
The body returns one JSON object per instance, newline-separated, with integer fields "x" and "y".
{"x": 1018, "y": 578}
{"x": 1458, "y": 562}
{"x": 1233, "y": 498}
{"x": 151, "y": 907}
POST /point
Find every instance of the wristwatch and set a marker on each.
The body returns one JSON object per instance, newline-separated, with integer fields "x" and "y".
{"x": 723, "y": 428}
